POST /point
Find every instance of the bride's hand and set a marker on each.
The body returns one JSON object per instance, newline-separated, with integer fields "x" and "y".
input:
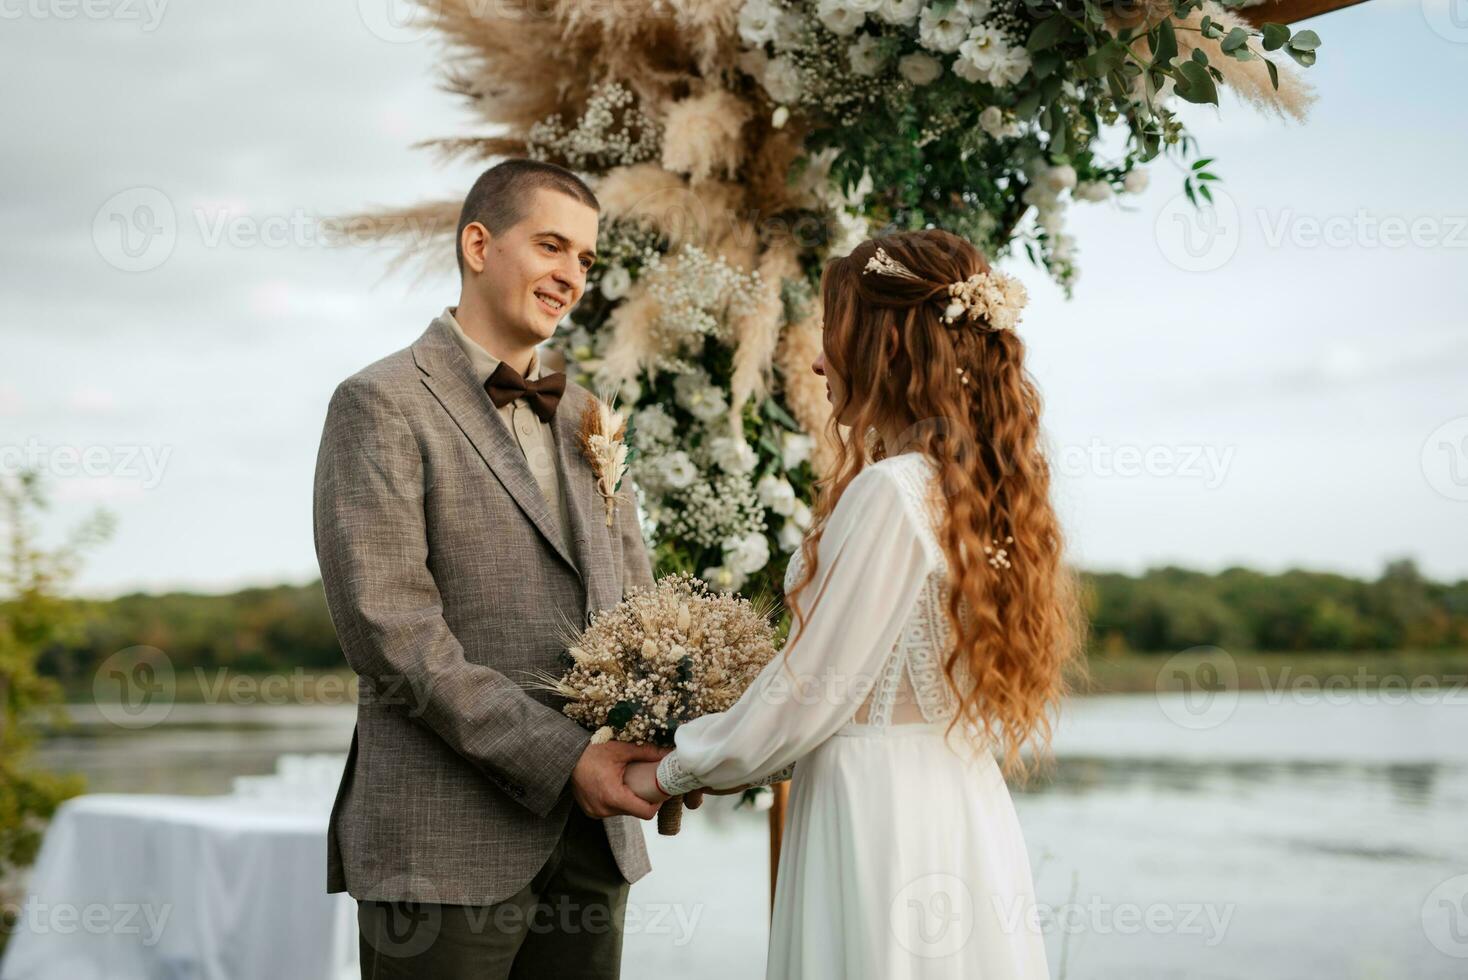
{"x": 641, "y": 778}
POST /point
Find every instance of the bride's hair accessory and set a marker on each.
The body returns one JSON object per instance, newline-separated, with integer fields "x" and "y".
{"x": 998, "y": 557}
{"x": 991, "y": 299}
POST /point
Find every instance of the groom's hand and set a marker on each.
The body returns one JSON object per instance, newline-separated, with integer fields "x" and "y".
{"x": 597, "y": 783}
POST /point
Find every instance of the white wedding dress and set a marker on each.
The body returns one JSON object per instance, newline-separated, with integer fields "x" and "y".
{"x": 902, "y": 854}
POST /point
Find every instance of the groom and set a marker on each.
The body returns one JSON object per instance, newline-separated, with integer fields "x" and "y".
{"x": 460, "y": 532}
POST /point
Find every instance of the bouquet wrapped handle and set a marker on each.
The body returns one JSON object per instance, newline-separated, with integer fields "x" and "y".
{"x": 670, "y": 816}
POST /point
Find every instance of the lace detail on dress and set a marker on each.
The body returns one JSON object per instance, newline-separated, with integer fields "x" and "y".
{"x": 913, "y": 671}
{"x": 673, "y": 778}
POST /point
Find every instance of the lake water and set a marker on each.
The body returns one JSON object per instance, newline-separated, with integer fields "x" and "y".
{"x": 1266, "y": 837}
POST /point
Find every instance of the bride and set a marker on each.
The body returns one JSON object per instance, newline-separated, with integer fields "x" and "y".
{"x": 934, "y": 623}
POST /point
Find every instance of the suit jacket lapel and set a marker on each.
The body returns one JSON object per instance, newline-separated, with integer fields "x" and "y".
{"x": 578, "y": 483}
{"x": 447, "y": 374}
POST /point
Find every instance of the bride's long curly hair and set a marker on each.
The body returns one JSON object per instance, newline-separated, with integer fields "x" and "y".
{"x": 1013, "y": 659}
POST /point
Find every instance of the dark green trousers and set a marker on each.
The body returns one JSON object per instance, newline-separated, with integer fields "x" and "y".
{"x": 566, "y": 924}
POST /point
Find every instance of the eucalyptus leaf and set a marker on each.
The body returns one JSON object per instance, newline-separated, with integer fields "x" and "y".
{"x": 1273, "y": 73}
{"x": 1237, "y": 38}
{"x": 1163, "y": 42}
{"x": 1048, "y": 33}
{"x": 1195, "y": 85}
{"x": 1304, "y": 58}
{"x": 1275, "y": 35}
{"x": 1305, "y": 41}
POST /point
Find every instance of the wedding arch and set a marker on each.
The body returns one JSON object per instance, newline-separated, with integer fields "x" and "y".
{"x": 735, "y": 145}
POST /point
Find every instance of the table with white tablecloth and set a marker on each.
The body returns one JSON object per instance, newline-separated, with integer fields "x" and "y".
{"x": 215, "y": 888}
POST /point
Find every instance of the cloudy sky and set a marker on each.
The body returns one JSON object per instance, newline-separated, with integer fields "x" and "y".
{"x": 1282, "y": 385}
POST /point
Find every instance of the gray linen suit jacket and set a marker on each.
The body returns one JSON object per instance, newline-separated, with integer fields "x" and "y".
{"x": 447, "y": 582}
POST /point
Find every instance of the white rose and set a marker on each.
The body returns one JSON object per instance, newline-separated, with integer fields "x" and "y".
{"x": 677, "y": 470}
{"x": 705, "y": 401}
{"x": 919, "y": 68}
{"x": 722, "y": 578}
{"x": 653, "y": 424}
{"x": 982, "y": 47}
{"x": 733, "y": 455}
{"x": 615, "y": 282}
{"x": 975, "y": 10}
{"x": 795, "y": 448}
{"x": 1058, "y": 178}
{"x": 942, "y": 32}
{"x": 968, "y": 71}
{"x": 992, "y": 120}
{"x": 1038, "y": 195}
{"x": 782, "y": 80}
{"x": 789, "y": 27}
{"x": 1135, "y": 182}
{"x": 1009, "y": 66}
{"x": 757, "y": 22}
{"x": 776, "y": 493}
{"x": 746, "y": 555}
{"x": 1092, "y": 190}
{"x": 790, "y": 536}
{"x": 901, "y": 12}
{"x": 866, "y": 56}
{"x": 840, "y": 18}
{"x": 801, "y": 515}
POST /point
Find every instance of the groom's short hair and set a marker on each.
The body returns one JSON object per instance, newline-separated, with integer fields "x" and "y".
{"x": 501, "y": 196}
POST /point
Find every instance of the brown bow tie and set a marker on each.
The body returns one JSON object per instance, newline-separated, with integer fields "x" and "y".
{"x": 543, "y": 394}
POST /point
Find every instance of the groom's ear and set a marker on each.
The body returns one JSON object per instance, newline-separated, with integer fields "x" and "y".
{"x": 474, "y": 248}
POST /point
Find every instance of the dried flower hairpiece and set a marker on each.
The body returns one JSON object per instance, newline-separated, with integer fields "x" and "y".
{"x": 991, "y": 296}
{"x": 886, "y": 265}
{"x": 992, "y": 299}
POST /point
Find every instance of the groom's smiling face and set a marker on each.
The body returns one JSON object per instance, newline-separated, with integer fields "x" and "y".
{"x": 535, "y": 271}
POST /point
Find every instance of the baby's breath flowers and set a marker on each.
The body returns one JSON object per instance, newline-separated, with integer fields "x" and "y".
{"x": 613, "y": 131}
{"x": 664, "y": 655}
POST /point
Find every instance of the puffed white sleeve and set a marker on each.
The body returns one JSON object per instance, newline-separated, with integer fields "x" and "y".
{"x": 870, "y": 568}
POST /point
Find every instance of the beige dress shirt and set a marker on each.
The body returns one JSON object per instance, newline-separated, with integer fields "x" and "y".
{"x": 533, "y": 436}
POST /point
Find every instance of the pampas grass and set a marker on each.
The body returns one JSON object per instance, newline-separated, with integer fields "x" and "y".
{"x": 805, "y": 392}
{"x": 702, "y": 135}
{"x": 757, "y": 332}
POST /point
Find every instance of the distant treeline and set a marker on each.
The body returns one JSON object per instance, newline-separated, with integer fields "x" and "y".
{"x": 1162, "y": 611}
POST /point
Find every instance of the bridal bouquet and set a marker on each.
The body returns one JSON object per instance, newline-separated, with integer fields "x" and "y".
{"x": 660, "y": 657}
